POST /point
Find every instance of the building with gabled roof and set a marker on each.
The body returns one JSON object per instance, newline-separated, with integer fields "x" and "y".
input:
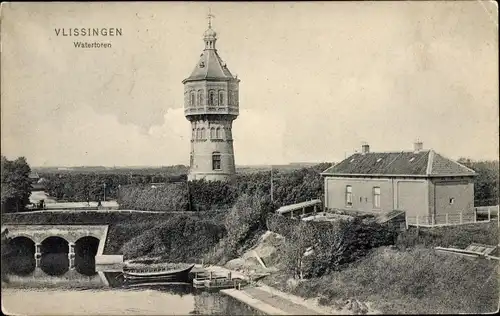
{"x": 420, "y": 182}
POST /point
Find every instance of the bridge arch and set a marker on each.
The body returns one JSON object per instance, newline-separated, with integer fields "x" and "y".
{"x": 54, "y": 244}
{"x": 21, "y": 251}
{"x": 85, "y": 251}
{"x": 54, "y": 255}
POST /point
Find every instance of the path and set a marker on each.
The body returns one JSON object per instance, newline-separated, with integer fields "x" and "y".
{"x": 279, "y": 302}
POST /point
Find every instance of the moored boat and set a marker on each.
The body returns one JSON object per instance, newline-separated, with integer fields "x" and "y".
{"x": 166, "y": 275}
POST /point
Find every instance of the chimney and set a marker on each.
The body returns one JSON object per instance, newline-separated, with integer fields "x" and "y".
{"x": 365, "y": 148}
{"x": 418, "y": 146}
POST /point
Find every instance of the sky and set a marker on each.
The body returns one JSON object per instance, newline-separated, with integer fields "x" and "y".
{"x": 317, "y": 80}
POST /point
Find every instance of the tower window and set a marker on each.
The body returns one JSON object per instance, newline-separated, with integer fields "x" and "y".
{"x": 191, "y": 160}
{"x": 202, "y": 133}
{"x": 376, "y": 197}
{"x": 348, "y": 195}
{"x": 216, "y": 161}
{"x": 200, "y": 97}
{"x": 192, "y": 99}
{"x": 211, "y": 98}
{"x": 218, "y": 133}
{"x": 221, "y": 98}
{"x": 197, "y": 133}
{"x": 212, "y": 133}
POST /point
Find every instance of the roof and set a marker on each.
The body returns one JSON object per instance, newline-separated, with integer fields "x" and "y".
{"x": 210, "y": 66}
{"x": 297, "y": 206}
{"x": 421, "y": 163}
{"x": 33, "y": 175}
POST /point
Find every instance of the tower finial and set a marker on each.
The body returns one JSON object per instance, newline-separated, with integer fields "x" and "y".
{"x": 209, "y": 17}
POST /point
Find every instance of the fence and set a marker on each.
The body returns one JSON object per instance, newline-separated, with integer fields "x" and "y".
{"x": 445, "y": 219}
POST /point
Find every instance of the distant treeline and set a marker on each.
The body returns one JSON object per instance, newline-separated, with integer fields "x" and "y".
{"x": 75, "y": 186}
{"x": 486, "y": 181}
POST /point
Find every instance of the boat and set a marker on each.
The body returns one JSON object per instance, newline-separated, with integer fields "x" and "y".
{"x": 166, "y": 275}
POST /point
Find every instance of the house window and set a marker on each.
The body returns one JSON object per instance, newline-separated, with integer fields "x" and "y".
{"x": 221, "y": 98}
{"x": 452, "y": 201}
{"x": 216, "y": 161}
{"x": 211, "y": 98}
{"x": 348, "y": 195}
{"x": 376, "y": 197}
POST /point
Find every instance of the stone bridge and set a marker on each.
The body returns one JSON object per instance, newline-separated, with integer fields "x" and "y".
{"x": 68, "y": 234}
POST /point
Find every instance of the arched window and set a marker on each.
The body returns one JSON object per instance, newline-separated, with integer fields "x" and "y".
{"x": 202, "y": 133}
{"x": 191, "y": 160}
{"x": 230, "y": 98}
{"x": 197, "y": 133}
{"x": 192, "y": 99}
{"x": 211, "y": 98}
{"x": 200, "y": 97}
{"x": 221, "y": 98}
{"x": 193, "y": 135}
{"x": 212, "y": 133}
{"x": 228, "y": 133}
{"x": 216, "y": 161}
{"x": 218, "y": 133}
{"x": 348, "y": 195}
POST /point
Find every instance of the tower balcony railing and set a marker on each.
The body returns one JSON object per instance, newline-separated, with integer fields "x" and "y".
{"x": 231, "y": 110}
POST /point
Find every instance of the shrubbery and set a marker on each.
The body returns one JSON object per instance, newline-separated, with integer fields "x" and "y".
{"x": 171, "y": 197}
{"x": 449, "y": 236}
{"x": 416, "y": 281}
{"x": 180, "y": 239}
{"x": 332, "y": 244}
{"x": 244, "y": 221}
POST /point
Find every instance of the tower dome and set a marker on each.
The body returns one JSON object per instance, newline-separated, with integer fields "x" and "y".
{"x": 210, "y": 33}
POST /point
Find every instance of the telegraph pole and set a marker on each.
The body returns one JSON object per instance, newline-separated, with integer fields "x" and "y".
{"x": 104, "y": 184}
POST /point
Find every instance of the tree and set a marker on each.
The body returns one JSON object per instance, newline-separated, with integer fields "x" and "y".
{"x": 16, "y": 185}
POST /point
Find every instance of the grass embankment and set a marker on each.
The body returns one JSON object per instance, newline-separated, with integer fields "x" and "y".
{"x": 171, "y": 236}
{"x": 411, "y": 277}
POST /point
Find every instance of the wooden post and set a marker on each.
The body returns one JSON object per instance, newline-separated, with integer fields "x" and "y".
{"x": 417, "y": 220}
{"x": 229, "y": 275}
{"x": 489, "y": 214}
{"x": 303, "y": 211}
{"x": 461, "y": 218}
{"x": 406, "y": 221}
{"x": 432, "y": 219}
{"x": 210, "y": 275}
{"x": 446, "y": 218}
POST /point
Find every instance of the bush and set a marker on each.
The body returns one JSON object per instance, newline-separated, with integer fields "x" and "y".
{"x": 333, "y": 244}
{"x": 180, "y": 239}
{"x": 243, "y": 223}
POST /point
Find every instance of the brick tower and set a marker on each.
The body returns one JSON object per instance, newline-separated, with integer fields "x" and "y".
{"x": 211, "y": 105}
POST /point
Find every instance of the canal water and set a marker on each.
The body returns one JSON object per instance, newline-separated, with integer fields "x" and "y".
{"x": 51, "y": 287}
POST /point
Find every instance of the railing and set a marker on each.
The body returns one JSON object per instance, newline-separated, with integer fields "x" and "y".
{"x": 449, "y": 219}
